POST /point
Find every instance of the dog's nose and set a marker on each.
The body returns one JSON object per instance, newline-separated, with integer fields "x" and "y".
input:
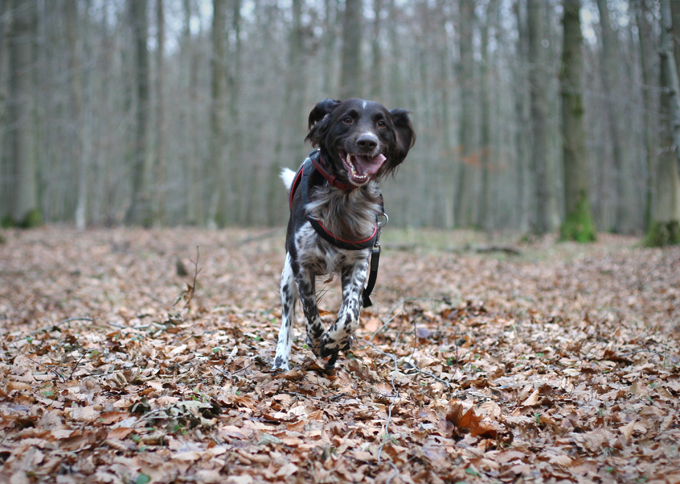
{"x": 367, "y": 141}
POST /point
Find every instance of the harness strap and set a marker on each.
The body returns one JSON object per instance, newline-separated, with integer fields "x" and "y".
{"x": 302, "y": 177}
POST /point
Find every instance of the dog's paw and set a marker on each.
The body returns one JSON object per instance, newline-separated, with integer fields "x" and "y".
{"x": 280, "y": 365}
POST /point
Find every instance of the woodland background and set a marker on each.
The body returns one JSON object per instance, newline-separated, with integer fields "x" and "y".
{"x": 170, "y": 112}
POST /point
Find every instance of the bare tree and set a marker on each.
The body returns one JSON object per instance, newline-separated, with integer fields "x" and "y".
{"x": 665, "y": 228}
{"x": 611, "y": 74}
{"x": 159, "y": 162}
{"x": 578, "y": 224}
{"x": 25, "y": 210}
{"x": 539, "y": 116}
{"x": 351, "y": 82}
{"x": 140, "y": 209}
{"x": 469, "y": 154}
{"x": 217, "y": 112}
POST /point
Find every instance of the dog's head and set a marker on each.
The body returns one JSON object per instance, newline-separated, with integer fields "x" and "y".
{"x": 363, "y": 139}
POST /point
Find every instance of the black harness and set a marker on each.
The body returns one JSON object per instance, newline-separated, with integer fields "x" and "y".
{"x": 314, "y": 164}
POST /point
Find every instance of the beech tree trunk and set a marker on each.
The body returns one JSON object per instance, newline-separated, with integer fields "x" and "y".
{"x": 578, "y": 224}
{"x": 139, "y": 212}
{"x": 25, "y": 210}
{"x": 217, "y": 112}
{"x": 467, "y": 121}
{"x": 665, "y": 228}
{"x": 538, "y": 61}
{"x": 351, "y": 82}
{"x": 159, "y": 162}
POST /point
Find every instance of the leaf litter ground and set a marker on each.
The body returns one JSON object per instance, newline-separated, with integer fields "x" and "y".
{"x": 558, "y": 365}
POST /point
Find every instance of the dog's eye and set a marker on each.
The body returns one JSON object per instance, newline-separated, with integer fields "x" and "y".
{"x": 347, "y": 120}
{"x": 382, "y": 123}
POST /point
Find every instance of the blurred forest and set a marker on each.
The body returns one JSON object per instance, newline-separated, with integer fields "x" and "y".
{"x": 182, "y": 112}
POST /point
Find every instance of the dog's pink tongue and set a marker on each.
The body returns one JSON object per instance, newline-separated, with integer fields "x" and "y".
{"x": 370, "y": 166}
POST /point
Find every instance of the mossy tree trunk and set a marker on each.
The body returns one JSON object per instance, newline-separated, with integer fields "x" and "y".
{"x": 665, "y": 227}
{"x": 578, "y": 224}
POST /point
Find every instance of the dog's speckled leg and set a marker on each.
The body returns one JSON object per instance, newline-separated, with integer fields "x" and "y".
{"x": 339, "y": 336}
{"x": 288, "y": 299}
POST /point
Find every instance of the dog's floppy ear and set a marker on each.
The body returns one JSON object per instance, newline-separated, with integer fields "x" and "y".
{"x": 321, "y": 110}
{"x": 319, "y": 121}
{"x": 404, "y": 133}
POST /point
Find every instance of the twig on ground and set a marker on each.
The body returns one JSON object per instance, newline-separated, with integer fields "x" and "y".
{"x": 426, "y": 373}
{"x": 189, "y": 295}
{"x": 75, "y": 367}
{"x": 56, "y": 325}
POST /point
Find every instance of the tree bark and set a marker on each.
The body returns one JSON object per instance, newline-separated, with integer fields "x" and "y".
{"x": 351, "y": 82}
{"x": 539, "y": 116}
{"x": 139, "y": 212}
{"x": 25, "y": 210}
{"x": 485, "y": 213}
{"x": 647, "y": 51}
{"x": 217, "y": 113}
{"x": 159, "y": 162}
{"x": 665, "y": 228}
{"x": 463, "y": 212}
{"x": 623, "y": 221}
{"x": 578, "y": 224}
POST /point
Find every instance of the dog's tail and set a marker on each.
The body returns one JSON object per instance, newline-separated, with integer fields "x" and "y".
{"x": 288, "y": 176}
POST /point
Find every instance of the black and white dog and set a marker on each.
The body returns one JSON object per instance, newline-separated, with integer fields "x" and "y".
{"x": 335, "y": 205}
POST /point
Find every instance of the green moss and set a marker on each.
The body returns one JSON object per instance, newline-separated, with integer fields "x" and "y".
{"x": 578, "y": 225}
{"x": 33, "y": 219}
{"x": 663, "y": 233}
{"x": 7, "y": 222}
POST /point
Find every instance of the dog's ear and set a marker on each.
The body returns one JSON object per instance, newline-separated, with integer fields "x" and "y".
{"x": 321, "y": 110}
{"x": 404, "y": 134}
{"x": 319, "y": 121}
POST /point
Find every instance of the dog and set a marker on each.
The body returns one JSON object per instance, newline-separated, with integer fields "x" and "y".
{"x": 335, "y": 208}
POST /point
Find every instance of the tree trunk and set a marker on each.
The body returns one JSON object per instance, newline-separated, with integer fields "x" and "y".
{"x": 159, "y": 162}
{"x": 217, "y": 113}
{"x": 522, "y": 119}
{"x": 665, "y": 228}
{"x": 139, "y": 212}
{"x": 467, "y": 121}
{"x": 485, "y": 213}
{"x": 25, "y": 210}
{"x": 376, "y": 51}
{"x": 76, "y": 128}
{"x": 623, "y": 222}
{"x": 647, "y": 50}
{"x": 539, "y": 116}
{"x": 351, "y": 83}
{"x": 578, "y": 224}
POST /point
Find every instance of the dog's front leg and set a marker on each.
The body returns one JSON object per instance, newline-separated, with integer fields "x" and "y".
{"x": 305, "y": 281}
{"x": 288, "y": 299}
{"x": 339, "y": 336}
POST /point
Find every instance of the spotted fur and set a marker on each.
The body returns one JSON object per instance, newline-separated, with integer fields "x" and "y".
{"x": 354, "y": 127}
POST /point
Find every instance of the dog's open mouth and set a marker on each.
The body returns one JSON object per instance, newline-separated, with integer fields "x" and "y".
{"x": 361, "y": 168}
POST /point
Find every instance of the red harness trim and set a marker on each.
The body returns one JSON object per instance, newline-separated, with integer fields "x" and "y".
{"x": 332, "y": 179}
{"x": 375, "y": 231}
{"x": 294, "y": 186}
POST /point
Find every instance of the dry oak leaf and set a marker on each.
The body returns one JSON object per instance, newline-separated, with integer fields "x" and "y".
{"x": 468, "y": 421}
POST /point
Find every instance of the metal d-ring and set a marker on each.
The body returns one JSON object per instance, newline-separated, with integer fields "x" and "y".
{"x": 384, "y": 216}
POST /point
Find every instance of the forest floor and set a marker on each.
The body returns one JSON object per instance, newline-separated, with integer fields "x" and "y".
{"x": 559, "y": 363}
